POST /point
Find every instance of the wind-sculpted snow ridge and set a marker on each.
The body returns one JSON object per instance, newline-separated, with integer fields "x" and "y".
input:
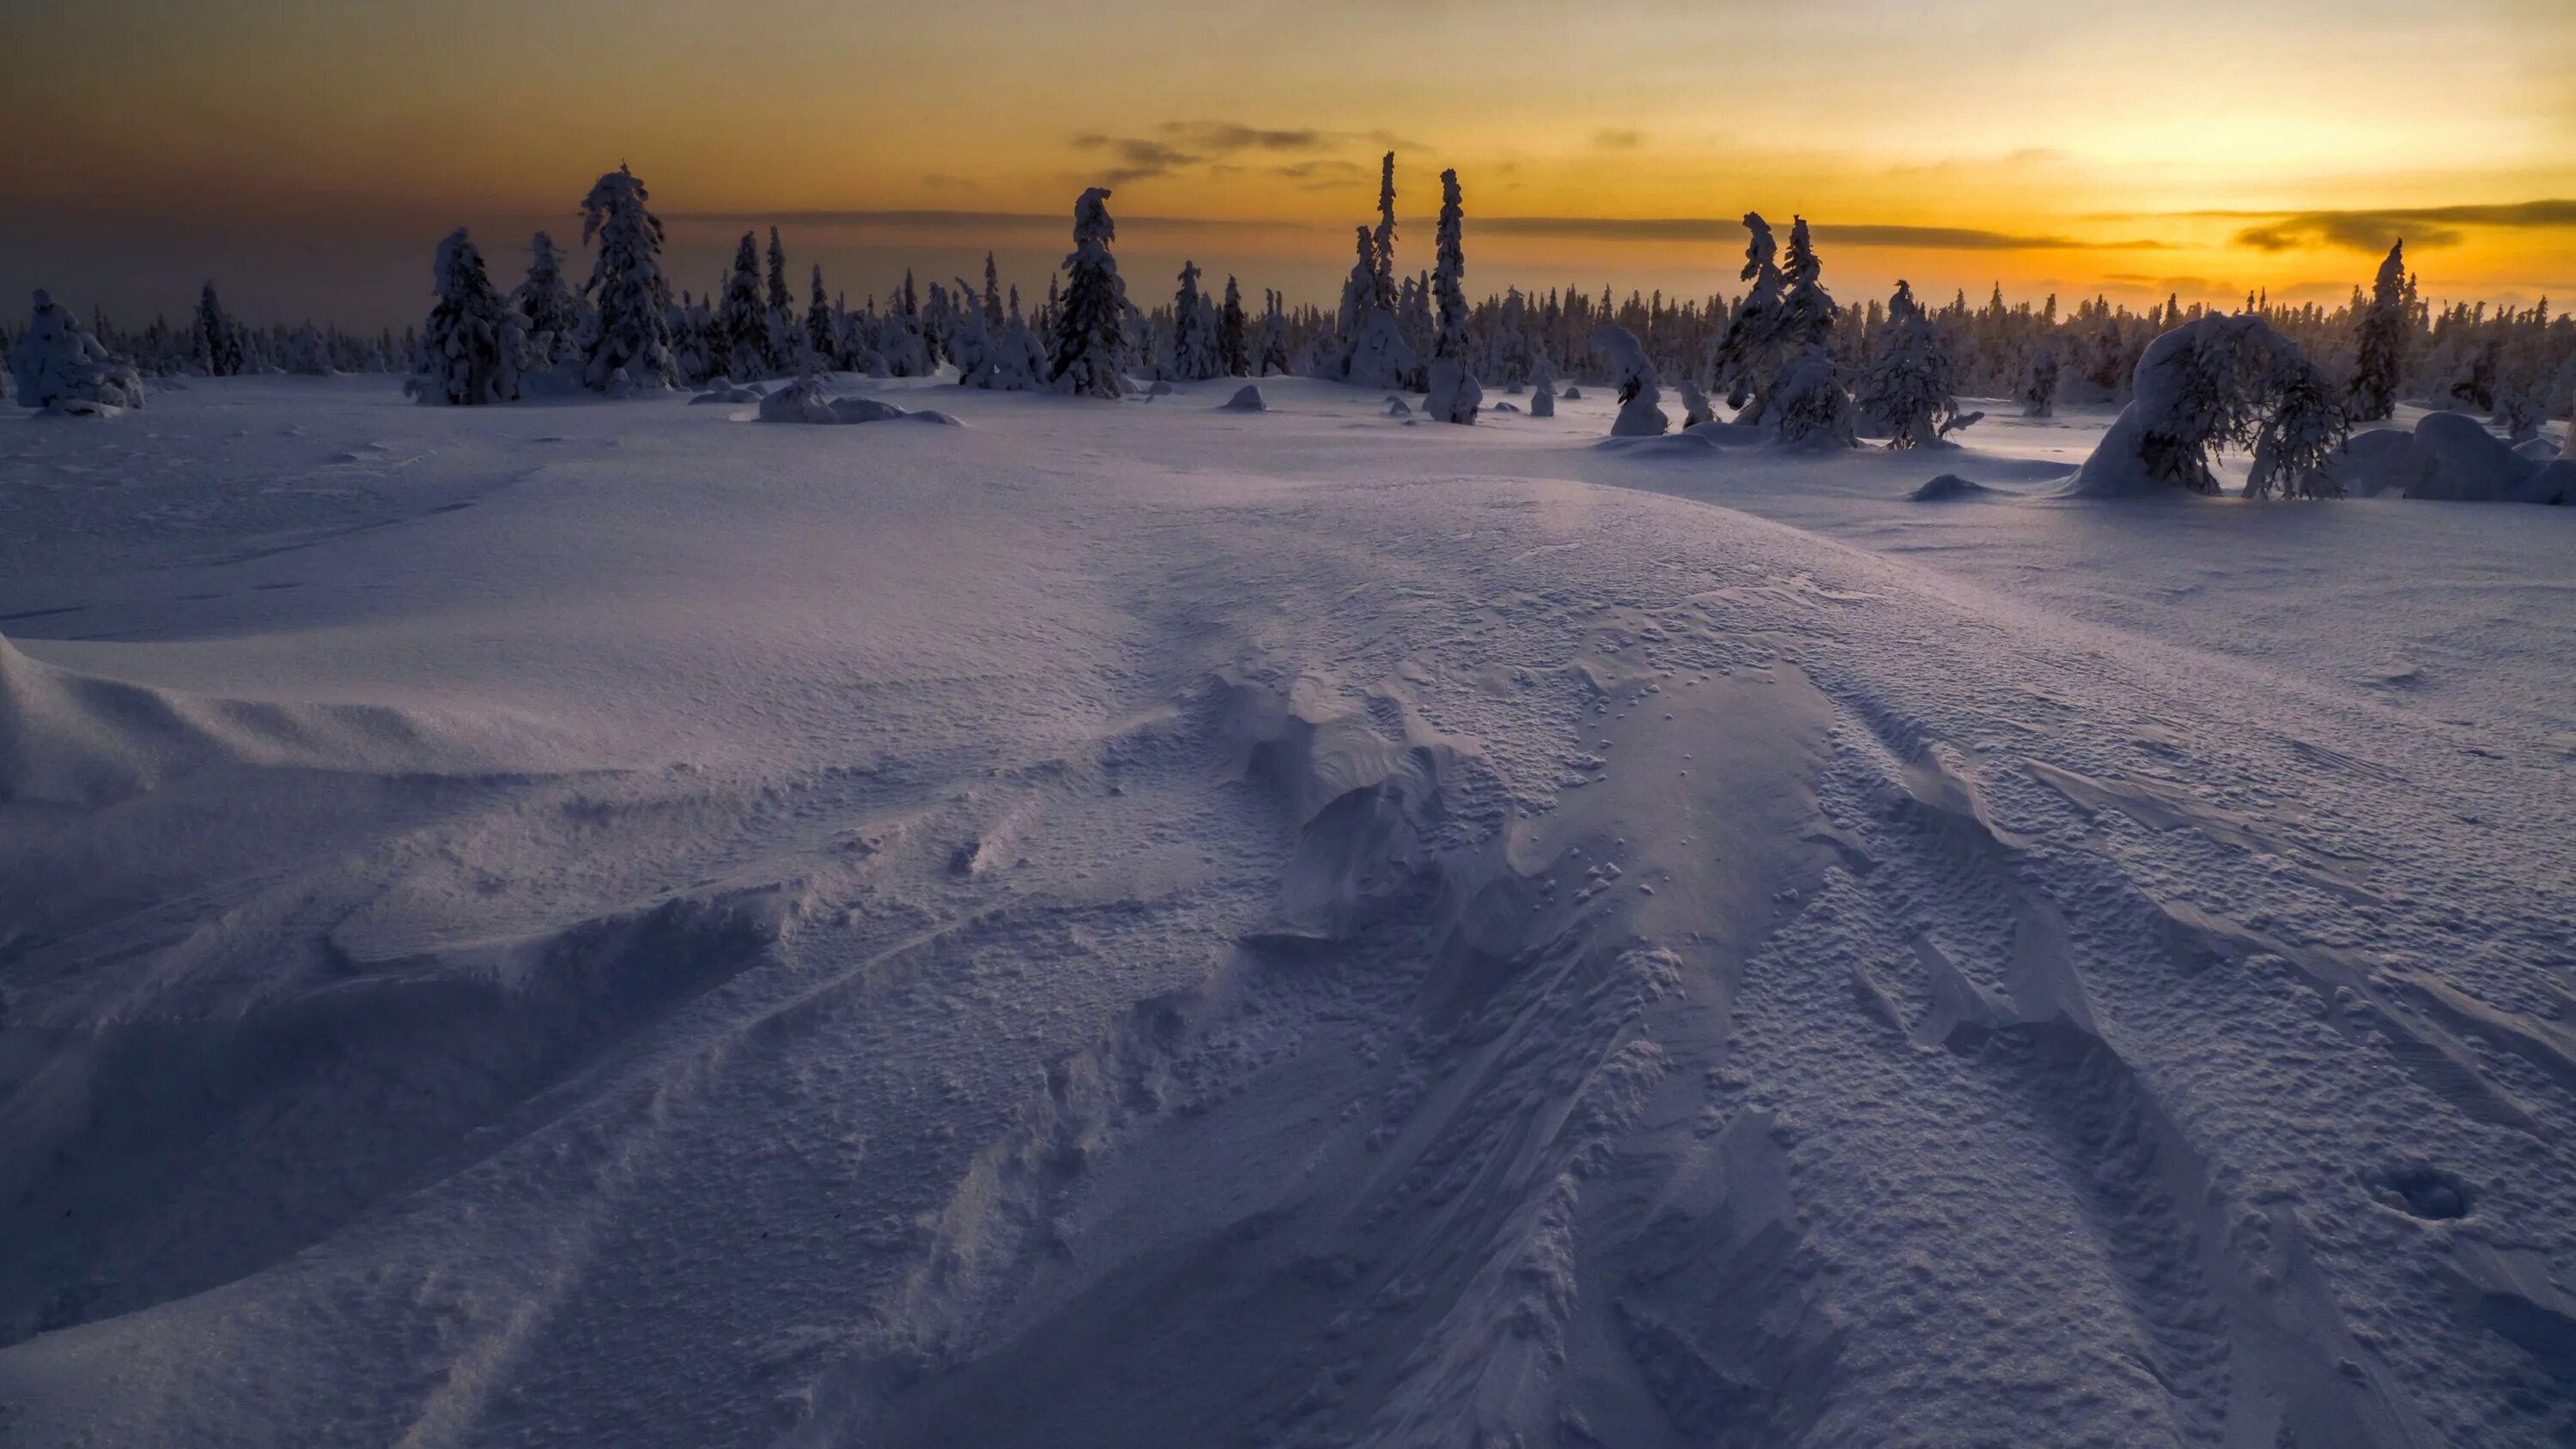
{"x": 1128, "y": 927}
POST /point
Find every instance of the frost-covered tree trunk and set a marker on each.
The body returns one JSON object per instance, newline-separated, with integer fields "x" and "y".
{"x": 1090, "y": 352}
{"x": 2380, "y": 344}
{"x": 58, "y": 367}
{"x": 628, "y": 331}
{"x": 741, "y": 317}
{"x": 472, "y": 337}
{"x": 548, "y": 307}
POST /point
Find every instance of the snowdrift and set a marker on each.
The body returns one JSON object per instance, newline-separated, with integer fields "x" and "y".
{"x": 73, "y": 740}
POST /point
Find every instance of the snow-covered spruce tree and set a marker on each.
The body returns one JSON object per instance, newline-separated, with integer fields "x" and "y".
{"x": 548, "y": 307}
{"x": 472, "y": 337}
{"x": 2221, "y": 381}
{"x": 1806, "y": 308}
{"x": 1909, "y": 384}
{"x": 1274, "y": 336}
{"x": 1232, "y": 356}
{"x": 61, "y": 368}
{"x": 219, "y": 346}
{"x": 1454, "y": 395}
{"x": 1368, "y": 345}
{"x": 307, "y": 354}
{"x": 783, "y": 344}
{"x": 1090, "y": 352}
{"x": 628, "y": 328}
{"x": 2039, "y": 389}
{"x": 1009, "y": 358}
{"x": 822, "y": 335}
{"x": 1193, "y": 347}
{"x": 1641, "y": 414}
{"x": 742, "y": 317}
{"x": 2380, "y": 343}
{"x": 993, "y": 295}
{"x": 1747, "y": 355}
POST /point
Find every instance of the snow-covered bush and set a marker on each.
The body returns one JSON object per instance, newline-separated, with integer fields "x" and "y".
{"x": 628, "y": 328}
{"x": 1641, "y": 414}
{"x": 471, "y": 342}
{"x": 1091, "y": 323}
{"x": 2039, "y": 390}
{"x": 1909, "y": 383}
{"x": 1542, "y": 386}
{"x": 2221, "y": 381}
{"x": 59, "y": 367}
{"x": 1810, "y": 407}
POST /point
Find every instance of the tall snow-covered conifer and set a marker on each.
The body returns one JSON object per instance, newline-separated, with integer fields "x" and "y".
{"x": 629, "y": 326}
{"x": 742, "y": 317}
{"x": 219, "y": 347}
{"x": 59, "y": 367}
{"x": 1748, "y": 354}
{"x": 547, "y": 305}
{"x": 1909, "y": 383}
{"x": 471, "y": 341}
{"x": 2381, "y": 346}
{"x": 1453, "y": 393}
{"x": 1232, "y": 354}
{"x": 1194, "y": 347}
{"x": 1090, "y": 352}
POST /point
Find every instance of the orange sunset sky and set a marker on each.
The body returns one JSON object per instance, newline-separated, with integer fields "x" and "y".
{"x": 309, "y": 155}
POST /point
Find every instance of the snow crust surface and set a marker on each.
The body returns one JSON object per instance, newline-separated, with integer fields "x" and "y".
{"x": 1138, "y": 924}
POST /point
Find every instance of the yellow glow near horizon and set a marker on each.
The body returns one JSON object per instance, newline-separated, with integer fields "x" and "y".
{"x": 2029, "y": 125}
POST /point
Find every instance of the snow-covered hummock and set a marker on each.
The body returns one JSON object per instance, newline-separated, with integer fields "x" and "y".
{"x": 2219, "y": 381}
{"x": 2459, "y": 461}
{"x": 471, "y": 342}
{"x": 628, "y": 326}
{"x": 57, "y": 366}
{"x": 1909, "y": 384}
{"x": 1641, "y": 414}
{"x": 1247, "y": 399}
{"x": 1090, "y": 353}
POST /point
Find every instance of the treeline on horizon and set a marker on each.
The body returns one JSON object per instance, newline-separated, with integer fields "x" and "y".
{"x": 2518, "y": 364}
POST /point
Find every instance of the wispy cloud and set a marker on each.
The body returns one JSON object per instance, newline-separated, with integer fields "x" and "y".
{"x": 2375, "y": 230}
{"x": 1618, "y": 138}
{"x": 1854, "y": 234}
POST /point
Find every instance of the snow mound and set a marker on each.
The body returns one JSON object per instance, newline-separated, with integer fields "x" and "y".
{"x": 2464, "y": 463}
{"x": 1950, "y": 488}
{"x": 2381, "y": 460}
{"x": 1657, "y": 445}
{"x": 1246, "y": 399}
{"x": 1397, "y": 407}
{"x": 75, "y": 740}
{"x": 805, "y": 403}
{"x": 722, "y": 391}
